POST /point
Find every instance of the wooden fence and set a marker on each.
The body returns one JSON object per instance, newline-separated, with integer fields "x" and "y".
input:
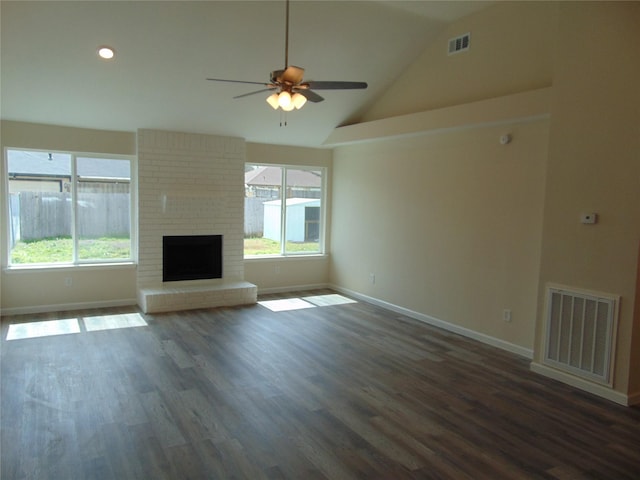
{"x": 254, "y": 217}
{"x": 38, "y": 215}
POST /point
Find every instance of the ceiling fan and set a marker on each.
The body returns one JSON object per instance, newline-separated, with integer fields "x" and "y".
{"x": 289, "y": 90}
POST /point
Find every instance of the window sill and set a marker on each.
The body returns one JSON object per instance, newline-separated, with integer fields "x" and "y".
{"x": 53, "y": 268}
{"x": 266, "y": 258}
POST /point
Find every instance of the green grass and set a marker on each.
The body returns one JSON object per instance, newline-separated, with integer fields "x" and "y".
{"x": 60, "y": 250}
{"x": 265, "y": 246}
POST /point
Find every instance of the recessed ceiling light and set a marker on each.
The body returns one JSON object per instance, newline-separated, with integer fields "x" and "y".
{"x": 106, "y": 52}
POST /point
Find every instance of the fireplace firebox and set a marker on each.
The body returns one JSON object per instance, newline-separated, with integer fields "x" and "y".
{"x": 191, "y": 257}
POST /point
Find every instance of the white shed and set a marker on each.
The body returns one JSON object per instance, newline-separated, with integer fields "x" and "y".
{"x": 303, "y": 219}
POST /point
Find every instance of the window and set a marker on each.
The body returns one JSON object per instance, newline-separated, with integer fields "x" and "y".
{"x": 299, "y": 222}
{"x": 65, "y": 208}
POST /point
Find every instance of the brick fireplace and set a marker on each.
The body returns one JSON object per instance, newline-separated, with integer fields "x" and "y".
{"x": 190, "y": 184}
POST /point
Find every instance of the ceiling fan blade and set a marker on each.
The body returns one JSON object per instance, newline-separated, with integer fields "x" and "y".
{"x": 309, "y": 95}
{"x": 236, "y": 81}
{"x": 335, "y": 85}
{"x": 257, "y": 91}
{"x": 293, "y": 75}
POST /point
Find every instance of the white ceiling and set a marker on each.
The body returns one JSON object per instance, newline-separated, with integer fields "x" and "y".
{"x": 165, "y": 50}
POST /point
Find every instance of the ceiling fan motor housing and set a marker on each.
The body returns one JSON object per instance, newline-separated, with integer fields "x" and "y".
{"x": 276, "y": 76}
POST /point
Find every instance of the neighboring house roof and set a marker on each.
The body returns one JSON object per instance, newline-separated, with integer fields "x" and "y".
{"x": 30, "y": 163}
{"x": 270, "y": 176}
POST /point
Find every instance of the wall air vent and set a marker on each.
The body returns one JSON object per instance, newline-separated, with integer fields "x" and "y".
{"x": 580, "y": 333}
{"x": 459, "y": 44}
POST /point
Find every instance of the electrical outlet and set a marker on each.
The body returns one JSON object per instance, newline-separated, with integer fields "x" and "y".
{"x": 506, "y": 315}
{"x": 372, "y": 278}
{"x": 68, "y": 281}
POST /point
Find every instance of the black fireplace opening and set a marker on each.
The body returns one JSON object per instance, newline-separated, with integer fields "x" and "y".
{"x": 191, "y": 257}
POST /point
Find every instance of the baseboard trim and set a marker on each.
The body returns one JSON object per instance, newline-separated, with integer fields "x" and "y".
{"x": 633, "y": 399}
{"x": 585, "y": 385}
{"x": 128, "y": 302}
{"x": 436, "y": 322}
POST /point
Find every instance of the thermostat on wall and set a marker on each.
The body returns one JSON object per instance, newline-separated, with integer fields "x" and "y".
{"x": 588, "y": 218}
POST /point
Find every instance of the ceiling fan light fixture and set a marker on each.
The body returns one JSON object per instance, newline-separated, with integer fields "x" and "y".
{"x": 273, "y": 101}
{"x": 284, "y": 100}
{"x": 298, "y": 100}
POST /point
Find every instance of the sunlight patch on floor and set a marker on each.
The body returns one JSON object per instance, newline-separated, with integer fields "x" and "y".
{"x": 286, "y": 304}
{"x": 47, "y": 328}
{"x": 111, "y": 322}
{"x": 327, "y": 300}
{"x": 21, "y": 331}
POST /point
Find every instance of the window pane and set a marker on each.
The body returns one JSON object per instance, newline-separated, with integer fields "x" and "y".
{"x": 39, "y": 207}
{"x": 262, "y": 220}
{"x": 103, "y": 209}
{"x": 304, "y": 197}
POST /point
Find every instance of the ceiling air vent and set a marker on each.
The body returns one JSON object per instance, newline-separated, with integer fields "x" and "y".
{"x": 459, "y": 44}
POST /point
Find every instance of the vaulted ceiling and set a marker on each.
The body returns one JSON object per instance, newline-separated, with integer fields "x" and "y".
{"x": 165, "y": 50}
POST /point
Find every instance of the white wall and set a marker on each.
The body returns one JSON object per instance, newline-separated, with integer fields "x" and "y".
{"x": 449, "y": 224}
{"x": 511, "y": 50}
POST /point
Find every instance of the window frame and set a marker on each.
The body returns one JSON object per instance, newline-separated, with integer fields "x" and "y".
{"x": 285, "y": 167}
{"x": 74, "y": 179}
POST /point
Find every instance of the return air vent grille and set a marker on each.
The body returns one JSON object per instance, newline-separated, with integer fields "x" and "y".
{"x": 459, "y": 44}
{"x": 580, "y": 333}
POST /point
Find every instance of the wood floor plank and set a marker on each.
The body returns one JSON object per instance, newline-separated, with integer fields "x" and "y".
{"x": 150, "y": 455}
{"x": 331, "y": 392}
{"x": 161, "y": 419}
{"x": 202, "y": 417}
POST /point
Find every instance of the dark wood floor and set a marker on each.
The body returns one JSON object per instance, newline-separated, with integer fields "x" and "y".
{"x": 335, "y": 392}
